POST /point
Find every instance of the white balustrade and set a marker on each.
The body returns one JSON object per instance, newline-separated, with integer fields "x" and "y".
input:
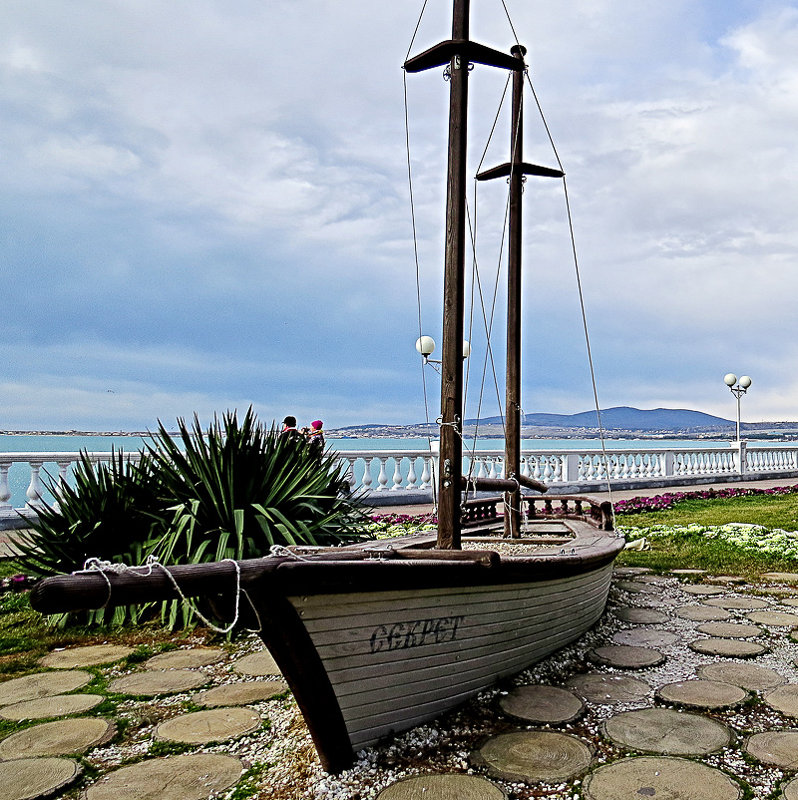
{"x": 21, "y": 474}
{"x": 5, "y": 491}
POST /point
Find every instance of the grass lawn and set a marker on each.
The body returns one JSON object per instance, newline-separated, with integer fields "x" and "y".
{"x": 681, "y": 550}
{"x": 772, "y": 511}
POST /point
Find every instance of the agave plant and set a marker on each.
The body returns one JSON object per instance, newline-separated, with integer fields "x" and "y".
{"x": 239, "y": 488}
{"x": 232, "y": 491}
{"x": 110, "y": 513}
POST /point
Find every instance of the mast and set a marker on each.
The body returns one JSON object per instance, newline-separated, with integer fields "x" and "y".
{"x": 457, "y": 52}
{"x": 451, "y": 452}
{"x": 516, "y": 169}
{"x": 512, "y": 443}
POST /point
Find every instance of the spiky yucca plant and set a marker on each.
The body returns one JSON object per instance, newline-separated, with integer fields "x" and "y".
{"x": 238, "y": 488}
{"x": 109, "y": 513}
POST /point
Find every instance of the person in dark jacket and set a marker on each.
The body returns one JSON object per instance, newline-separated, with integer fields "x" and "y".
{"x": 316, "y": 438}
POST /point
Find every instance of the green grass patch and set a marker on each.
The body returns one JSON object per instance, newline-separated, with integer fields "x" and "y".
{"x": 694, "y": 551}
{"x": 771, "y": 511}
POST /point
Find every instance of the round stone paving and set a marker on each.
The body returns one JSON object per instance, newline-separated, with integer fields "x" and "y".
{"x": 784, "y": 699}
{"x": 729, "y": 630}
{"x": 542, "y": 704}
{"x": 631, "y": 570}
{"x": 188, "y": 777}
{"x": 748, "y": 676}
{"x": 653, "y": 579}
{"x": 790, "y": 790}
{"x": 57, "y": 705}
{"x": 737, "y": 603}
{"x": 626, "y": 656}
{"x": 728, "y": 648}
{"x": 727, "y": 579}
{"x": 29, "y": 778}
{"x": 60, "y": 738}
{"x": 781, "y": 577}
{"x": 600, "y": 687}
{"x": 239, "y": 694}
{"x": 688, "y": 571}
{"x": 88, "y": 656}
{"x": 258, "y": 664}
{"x": 185, "y": 659}
{"x": 637, "y": 587}
{"x": 661, "y": 730}
{"x": 443, "y": 787}
{"x": 702, "y": 613}
{"x": 645, "y": 637}
{"x": 214, "y": 725}
{"x": 703, "y": 589}
{"x": 668, "y": 778}
{"x": 702, "y": 694}
{"x": 789, "y": 601}
{"x": 152, "y": 682}
{"x": 42, "y": 684}
{"x": 778, "y": 619}
{"x": 641, "y": 616}
{"x": 779, "y": 748}
{"x": 534, "y": 756}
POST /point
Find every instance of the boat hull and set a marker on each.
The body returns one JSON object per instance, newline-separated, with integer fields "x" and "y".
{"x": 397, "y": 659}
{"x": 366, "y": 665}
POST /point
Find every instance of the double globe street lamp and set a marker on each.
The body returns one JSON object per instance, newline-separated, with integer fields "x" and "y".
{"x": 426, "y": 346}
{"x": 730, "y": 379}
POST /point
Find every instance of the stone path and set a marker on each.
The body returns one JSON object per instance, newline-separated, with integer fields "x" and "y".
{"x": 695, "y": 676}
{"x": 39, "y": 759}
{"x": 678, "y": 692}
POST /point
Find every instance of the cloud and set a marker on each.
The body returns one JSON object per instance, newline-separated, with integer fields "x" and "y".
{"x": 205, "y": 204}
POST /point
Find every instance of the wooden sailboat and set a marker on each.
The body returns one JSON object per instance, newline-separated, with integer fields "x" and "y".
{"x": 374, "y": 639}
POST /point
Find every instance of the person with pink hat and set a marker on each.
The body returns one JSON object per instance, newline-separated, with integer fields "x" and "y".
{"x": 316, "y": 437}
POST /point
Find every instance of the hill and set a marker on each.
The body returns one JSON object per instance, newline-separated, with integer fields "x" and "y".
{"x": 625, "y": 418}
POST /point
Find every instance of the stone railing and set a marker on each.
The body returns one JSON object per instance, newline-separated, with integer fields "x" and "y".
{"x": 413, "y": 471}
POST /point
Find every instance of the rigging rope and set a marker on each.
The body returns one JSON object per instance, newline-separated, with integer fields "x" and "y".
{"x": 476, "y": 283}
{"x": 415, "y": 252}
{"x": 94, "y": 565}
{"x": 577, "y": 271}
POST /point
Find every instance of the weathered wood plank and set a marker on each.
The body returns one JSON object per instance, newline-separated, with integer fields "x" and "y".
{"x": 504, "y": 659}
{"x": 369, "y": 723}
{"x": 349, "y": 674}
{"x": 333, "y": 613}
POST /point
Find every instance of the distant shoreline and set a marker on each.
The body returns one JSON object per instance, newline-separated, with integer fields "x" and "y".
{"x": 415, "y": 434}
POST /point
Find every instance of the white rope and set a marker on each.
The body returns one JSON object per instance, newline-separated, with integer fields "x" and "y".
{"x": 94, "y": 565}
{"x": 281, "y": 551}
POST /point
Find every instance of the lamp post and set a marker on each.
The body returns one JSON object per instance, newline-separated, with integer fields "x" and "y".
{"x": 738, "y": 391}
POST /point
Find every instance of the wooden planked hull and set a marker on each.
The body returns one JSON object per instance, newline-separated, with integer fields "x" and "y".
{"x": 397, "y": 659}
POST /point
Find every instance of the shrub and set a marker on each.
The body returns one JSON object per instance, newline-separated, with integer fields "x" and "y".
{"x": 109, "y": 514}
{"x": 232, "y": 491}
{"x": 235, "y": 490}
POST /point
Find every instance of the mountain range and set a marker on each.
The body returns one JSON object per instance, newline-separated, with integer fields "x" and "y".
{"x": 620, "y": 421}
{"x": 627, "y": 419}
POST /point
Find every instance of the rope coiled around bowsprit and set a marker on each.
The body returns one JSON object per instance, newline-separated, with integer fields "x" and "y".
{"x": 97, "y": 565}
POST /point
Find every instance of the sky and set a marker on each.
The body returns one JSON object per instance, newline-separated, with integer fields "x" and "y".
{"x": 204, "y": 205}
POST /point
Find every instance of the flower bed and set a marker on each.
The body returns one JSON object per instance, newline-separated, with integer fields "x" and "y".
{"x": 663, "y": 502}
{"x": 753, "y": 538}
{"x": 389, "y": 526}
